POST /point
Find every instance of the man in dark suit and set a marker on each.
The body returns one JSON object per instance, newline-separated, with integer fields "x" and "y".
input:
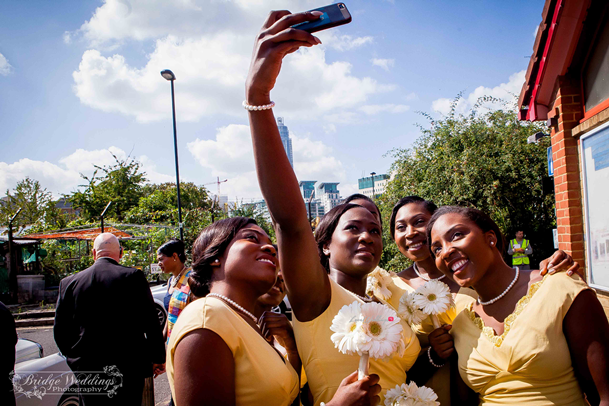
{"x": 8, "y": 340}
{"x": 105, "y": 316}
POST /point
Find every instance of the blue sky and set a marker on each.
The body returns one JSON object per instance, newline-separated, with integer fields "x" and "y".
{"x": 80, "y": 79}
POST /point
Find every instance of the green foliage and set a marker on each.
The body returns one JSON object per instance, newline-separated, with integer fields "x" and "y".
{"x": 121, "y": 183}
{"x": 482, "y": 161}
{"x": 36, "y": 203}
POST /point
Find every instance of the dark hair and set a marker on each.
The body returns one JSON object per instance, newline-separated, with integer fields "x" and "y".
{"x": 209, "y": 246}
{"x": 427, "y": 204}
{"x": 326, "y": 227}
{"x": 359, "y": 196}
{"x": 478, "y": 217}
{"x": 173, "y": 246}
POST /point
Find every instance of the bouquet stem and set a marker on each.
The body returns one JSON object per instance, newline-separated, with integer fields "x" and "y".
{"x": 435, "y": 321}
{"x": 364, "y": 363}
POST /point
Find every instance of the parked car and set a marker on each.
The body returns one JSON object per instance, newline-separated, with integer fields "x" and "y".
{"x": 158, "y": 294}
{"x": 29, "y": 361}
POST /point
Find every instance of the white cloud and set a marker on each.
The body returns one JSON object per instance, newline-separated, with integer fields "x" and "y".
{"x": 383, "y": 63}
{"x": 119, "y": 20}
{"x": 505, "y": 92}
{"x": 332, "y": 39}
{"x": 209, "y": 51}
{"x": 64, "y": 177}
{"x": 411, "y": 96}
{"x": 230, "y": 156}
{"x": 5, "y": 67}
{"x": 378, "y": 108}
{"x": 210, "y": 75}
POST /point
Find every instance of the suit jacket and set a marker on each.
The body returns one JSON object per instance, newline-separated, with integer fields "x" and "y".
{"x": 105, "y": 316}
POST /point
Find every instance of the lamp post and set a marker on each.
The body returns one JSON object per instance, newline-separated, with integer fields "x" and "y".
{"x": 372, "y": 174}
{"x": 12, "y": 267}
{"x": 167, "y": 74}
{"x": 103, "y": 214}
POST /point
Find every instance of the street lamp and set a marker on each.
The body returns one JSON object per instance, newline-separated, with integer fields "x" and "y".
{"x": 103, "y": 214}
{"x": 372, "y": 174}
{"x": 12, "y": 264}
{"x": 167, "y": 74}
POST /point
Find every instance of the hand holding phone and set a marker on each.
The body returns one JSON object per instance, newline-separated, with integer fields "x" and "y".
{"x": 333, "y": 16}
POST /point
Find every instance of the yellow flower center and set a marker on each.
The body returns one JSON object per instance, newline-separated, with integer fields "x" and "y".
{"x": 431, "y": 297}
{"x": 353, "y": 327}
{"x": 375, "y": 328}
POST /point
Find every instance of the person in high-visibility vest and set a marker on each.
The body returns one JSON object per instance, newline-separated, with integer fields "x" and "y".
{"x": 520, "y": 249}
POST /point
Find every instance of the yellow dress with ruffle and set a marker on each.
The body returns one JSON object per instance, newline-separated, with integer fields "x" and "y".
{"x": 530, "y": 363}
{"x": 262, "y": 376}
{"x": 326, "y": 367}
{"x": 440, "y": 381}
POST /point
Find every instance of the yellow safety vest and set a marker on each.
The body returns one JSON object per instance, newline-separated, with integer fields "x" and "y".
{"x": 519, "y": 258}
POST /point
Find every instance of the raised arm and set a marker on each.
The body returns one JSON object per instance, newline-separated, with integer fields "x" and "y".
{"x": 587, "y": 332}
{"x": 306, "y": 280}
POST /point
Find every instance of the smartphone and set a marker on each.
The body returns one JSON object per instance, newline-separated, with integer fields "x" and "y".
{"x": 333, "y": 16}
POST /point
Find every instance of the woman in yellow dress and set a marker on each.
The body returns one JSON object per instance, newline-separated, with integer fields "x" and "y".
{"x": 217, "y": 354}
{"x": 528, "y": 339}
{"x": 408, "y": 223}
{"x": 347, "y": 240}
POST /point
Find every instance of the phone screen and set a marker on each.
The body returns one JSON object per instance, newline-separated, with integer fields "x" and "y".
{"x": 323, "y": 20}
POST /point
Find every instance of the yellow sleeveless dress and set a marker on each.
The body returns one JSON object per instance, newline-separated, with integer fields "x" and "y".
{"x": 440, "y": 381}
{"x": 326, "y": 367}
{"x": 262, "y": 376}
{"x": 530, "y": 363}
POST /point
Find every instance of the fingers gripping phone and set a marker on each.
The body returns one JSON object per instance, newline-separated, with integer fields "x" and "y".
{"x": 333, "y": 16}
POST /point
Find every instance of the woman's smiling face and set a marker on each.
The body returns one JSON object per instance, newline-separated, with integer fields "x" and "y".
{"x": 410, "y": 231}
{"x": 461, "y": 249}
{"x": 251, "y": 257}
{"x": 356, "y": 244}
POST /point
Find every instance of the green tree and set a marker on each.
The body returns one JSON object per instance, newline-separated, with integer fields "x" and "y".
{"x": 36, "y": 203}
{"x": 121, "y": 183}
{"x": 480, "y": 160}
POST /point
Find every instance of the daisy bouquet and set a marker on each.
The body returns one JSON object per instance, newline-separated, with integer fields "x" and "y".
{"x": 368, "y": 330}
{"x": 430, "y": 299}
{"x": 411, "y": 395}
{"x": 377, "y": 284}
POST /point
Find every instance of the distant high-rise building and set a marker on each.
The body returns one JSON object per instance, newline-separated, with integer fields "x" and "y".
{"x": 307, "y": 188}
{"x": 285, "y": 139}
{"x": 380, "y": 183}
{"x": 328, "y": 195}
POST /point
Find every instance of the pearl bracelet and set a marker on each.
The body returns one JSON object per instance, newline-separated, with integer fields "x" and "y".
{"x": 249, "y": 107}
{"x": 431, "y": 359}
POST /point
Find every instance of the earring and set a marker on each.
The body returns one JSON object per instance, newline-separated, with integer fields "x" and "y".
{"x": 492, "y": 243}
{"x": 216, "y": 260}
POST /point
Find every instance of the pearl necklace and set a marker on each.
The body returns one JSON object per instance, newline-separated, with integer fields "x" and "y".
{"x": 234, "y": 304}
{"x": 510, "y": 286}
{"x": 425, "y": 278}
{"x": 364, "y": 298}
{"x": 175, "y": 279}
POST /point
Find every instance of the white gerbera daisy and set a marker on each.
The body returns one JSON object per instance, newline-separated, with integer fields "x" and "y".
{"x": 411, "y": 395}
{"x": 378, "y": 283}
{"x": 383, "y": 328}
{"x": 409, "y": 311}
{"x": 427, "y": 396}
{"x": 347, "y": 326}
{"x": 434, "y": 297}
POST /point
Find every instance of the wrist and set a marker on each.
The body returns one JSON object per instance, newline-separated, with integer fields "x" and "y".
{"x": 434, "y": 357}
{"x": 257, "y": 97}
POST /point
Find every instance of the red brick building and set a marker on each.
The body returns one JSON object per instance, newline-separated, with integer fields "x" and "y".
{"x": 567, "y": 85}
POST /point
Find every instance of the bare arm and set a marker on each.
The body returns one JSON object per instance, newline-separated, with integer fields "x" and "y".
{"x": 587, "y": 332}
{"x": 204, "y": 370}
{"x": 306, "y": 280}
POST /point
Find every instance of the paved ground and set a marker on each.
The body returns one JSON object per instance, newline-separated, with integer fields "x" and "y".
{"x": 44, "y": 336}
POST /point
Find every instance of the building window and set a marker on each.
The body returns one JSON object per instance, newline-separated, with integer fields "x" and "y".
{"x": 595, "y": 164}
{"x": 596, "y": 72}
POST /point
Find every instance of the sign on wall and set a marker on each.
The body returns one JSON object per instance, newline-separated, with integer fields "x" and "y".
{"x": 595, "y": 164}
